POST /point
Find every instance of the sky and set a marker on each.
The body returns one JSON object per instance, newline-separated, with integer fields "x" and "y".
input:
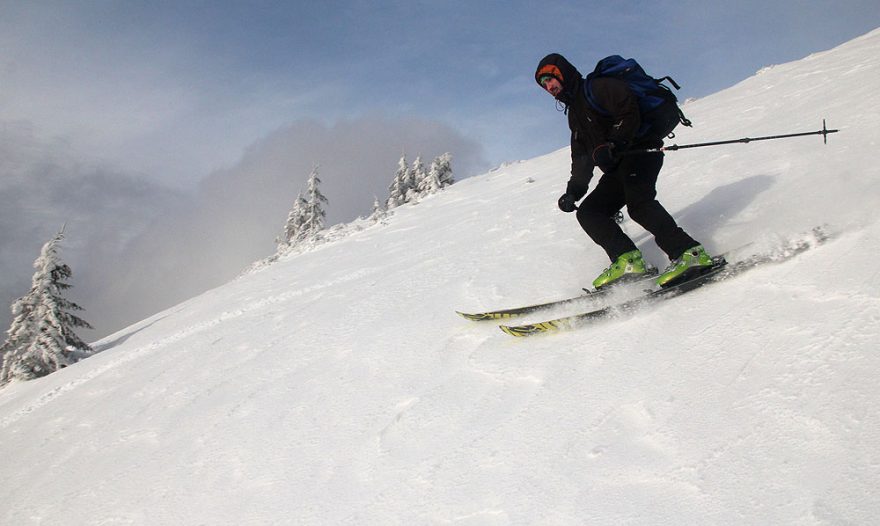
{"x": 176, "y": 134}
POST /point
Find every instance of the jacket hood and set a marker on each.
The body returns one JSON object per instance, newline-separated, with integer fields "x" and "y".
{"x": 568, "y": 75}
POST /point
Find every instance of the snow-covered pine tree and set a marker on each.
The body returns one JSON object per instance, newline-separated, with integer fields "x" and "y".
{"x": 431, "y": 183}
{"x": 41, "y": 338}
{"x": 378, "y": 209}
{"x": 414, "y": 176}
{"x": 417, "y": 178}
{"x": 293, "y": 226}
{"x": 313, "y": 214}
{"x": 398, "y": 189}
{"x": 443, "y": 165}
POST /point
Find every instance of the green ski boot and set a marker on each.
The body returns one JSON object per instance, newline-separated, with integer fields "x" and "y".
{"x": 689, "y": 265}
{"x": 628, "y": 266}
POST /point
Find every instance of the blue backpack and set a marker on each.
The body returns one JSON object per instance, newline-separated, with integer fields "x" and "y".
{"x": 658, "y": 106}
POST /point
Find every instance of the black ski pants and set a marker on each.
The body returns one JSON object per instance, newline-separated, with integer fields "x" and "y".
{"x": 633, "y": 183}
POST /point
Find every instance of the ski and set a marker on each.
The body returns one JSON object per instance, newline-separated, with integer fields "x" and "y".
{"x": 567, "y": 322}
{"x": 719, "y": 271}
{"x": 587, "y": 295}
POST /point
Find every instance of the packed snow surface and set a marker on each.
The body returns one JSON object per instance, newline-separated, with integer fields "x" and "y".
{"x": 338, "y": 386}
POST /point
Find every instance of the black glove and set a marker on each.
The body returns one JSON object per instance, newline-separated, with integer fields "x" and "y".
{"x": 566, "y": 203}
{"x": 605, "y": 156}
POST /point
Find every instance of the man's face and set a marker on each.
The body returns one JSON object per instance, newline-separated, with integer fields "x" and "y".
{"x": 552, "y": 85}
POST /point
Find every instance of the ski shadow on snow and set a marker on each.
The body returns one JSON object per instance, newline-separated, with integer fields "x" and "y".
{"x": 716, "y": 209}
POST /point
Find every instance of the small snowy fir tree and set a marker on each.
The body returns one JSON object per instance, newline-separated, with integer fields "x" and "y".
{"x": 399, "y": 186}
{"x": 41, "y": 339}
{"x": 431, "y": 183}
{"x": 417, "y": 178}
{"x": 293, "y": 227}
{"x": 443, "y": 164}
{"x": 378, "y": 210}
{"x": 313, "y": 213}
{"x": 439, "y": 175}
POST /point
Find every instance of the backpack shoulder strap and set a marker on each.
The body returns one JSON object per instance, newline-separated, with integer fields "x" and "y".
{"x": 591, "y": 99}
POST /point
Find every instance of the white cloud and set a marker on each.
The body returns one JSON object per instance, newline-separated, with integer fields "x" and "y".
{"x": 136, "y": 247}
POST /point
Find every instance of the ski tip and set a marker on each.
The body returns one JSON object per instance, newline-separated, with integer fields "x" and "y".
{"x": 529, "y": 330}
{"x": 514, "y": 331}
{"x": 485, "y": 316}
{"x": 473, "y": 317}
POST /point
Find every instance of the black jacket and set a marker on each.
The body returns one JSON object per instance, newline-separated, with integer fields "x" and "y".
{"x": 590, "y": 129}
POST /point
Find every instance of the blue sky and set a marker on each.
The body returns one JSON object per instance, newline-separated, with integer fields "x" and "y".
{"x": 184, "y": 87}
{"x": 143, "y": 125}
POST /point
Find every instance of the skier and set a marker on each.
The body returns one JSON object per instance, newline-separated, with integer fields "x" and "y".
{"x": 598, "y": 141}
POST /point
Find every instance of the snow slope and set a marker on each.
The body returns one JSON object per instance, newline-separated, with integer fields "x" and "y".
{"x": 338, "y": 386}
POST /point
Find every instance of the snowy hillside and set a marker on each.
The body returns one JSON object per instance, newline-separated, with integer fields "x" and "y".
{"x": 339, "y": 387}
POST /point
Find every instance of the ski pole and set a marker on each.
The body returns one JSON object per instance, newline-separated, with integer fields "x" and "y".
{"x": 823, "y": 132}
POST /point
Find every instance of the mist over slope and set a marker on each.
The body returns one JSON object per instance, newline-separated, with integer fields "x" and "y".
{"x": 338, "y": 386}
